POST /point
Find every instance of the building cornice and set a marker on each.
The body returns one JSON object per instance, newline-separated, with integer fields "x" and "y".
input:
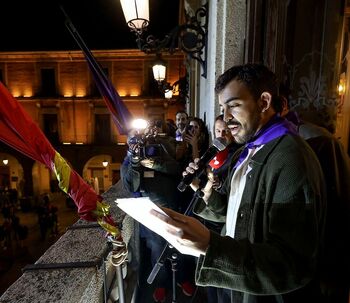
{"x": 77, "y": 55}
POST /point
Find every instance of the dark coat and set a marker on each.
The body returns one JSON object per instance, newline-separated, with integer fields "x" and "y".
{"x": 274, "y": 256}
{"x": 158, "y": 183}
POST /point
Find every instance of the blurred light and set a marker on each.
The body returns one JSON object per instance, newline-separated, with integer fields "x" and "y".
{"x": 139, "y": 124}
{"x": 80, "y": 91}
{"x": 67, "y": 143}
{"x": 105, "y": 163}
{"x": 134, "y": 92}
{"x": 121, "y": 91}
{"x": 159, "y": 70}
{"x": 28, "y": 92}
{"x": 168, "y": 94}
{"x": 341, "y": 88}
{"x": 5, "y": 161}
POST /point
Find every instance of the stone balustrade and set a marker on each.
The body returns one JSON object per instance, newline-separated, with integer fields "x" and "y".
{"x": 74, "y": 269}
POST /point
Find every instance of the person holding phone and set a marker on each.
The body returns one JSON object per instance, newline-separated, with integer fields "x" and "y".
{"x": 197, "y": 137}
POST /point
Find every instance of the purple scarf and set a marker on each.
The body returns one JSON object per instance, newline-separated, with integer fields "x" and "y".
{"x": 275, "y": 128}
{"x": 293, "y": 117}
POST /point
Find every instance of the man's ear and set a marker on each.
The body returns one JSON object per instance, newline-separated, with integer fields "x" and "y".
{"x": 266, "y": 101}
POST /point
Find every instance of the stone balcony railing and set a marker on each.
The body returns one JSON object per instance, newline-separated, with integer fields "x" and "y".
{"x": 74, "y": 269}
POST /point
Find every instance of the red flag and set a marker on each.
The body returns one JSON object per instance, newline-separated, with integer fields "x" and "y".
{"x": 18, "y": 130}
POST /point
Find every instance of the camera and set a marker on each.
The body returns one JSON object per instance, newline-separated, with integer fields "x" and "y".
{"x": 143, "y": 143}
{"x": 144, "y": 147}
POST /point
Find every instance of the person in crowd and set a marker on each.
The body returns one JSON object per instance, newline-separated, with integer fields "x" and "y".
{"x": 222, "y": 160}
{"x": 15, "y": 224}
{"x": 150, "y": 170}
{"x": 2, "y": 237}
{"x": 219, "y": 169}
{"x": 335, "y": 163}
{"x": 20, "y": 231}
{"x": 194, "y": 145}
{"x": 7, "y": 208}
{"x": 272, "y": 202}
{"x": 13, "y": 197}
{"x": 47, "y": 218}
{"x": 197, "y": 137}
{"x": 7, "y": 229}
{"x": 181, "y": 120}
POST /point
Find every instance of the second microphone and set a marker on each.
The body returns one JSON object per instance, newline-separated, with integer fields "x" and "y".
{"x": 219, "y": 144}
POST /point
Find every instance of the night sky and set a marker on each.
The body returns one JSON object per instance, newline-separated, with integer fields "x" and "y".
{"x": 39, "y": 25}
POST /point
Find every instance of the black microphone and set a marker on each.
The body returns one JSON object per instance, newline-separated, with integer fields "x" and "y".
{"x": 219, "y": 144}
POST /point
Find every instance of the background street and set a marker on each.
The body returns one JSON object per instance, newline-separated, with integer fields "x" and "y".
{"x": 17, "y": 255}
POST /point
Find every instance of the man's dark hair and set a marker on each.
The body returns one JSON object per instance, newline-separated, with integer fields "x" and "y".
{"x": 285, "y": 91}
{"x": 256, "y": 77}
{"x": 278, "y": 102}
{"x": 220, "y": 117}
{"x": 181, "y": 112}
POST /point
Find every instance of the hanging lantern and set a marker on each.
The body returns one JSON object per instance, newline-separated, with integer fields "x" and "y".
{"x": 159, "y": 70}
{"x": 136, "y": 13}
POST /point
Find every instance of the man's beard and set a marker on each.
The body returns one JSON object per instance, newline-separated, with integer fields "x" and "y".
{"x": 181, "y": 126}
{"x": 248, "y": 134}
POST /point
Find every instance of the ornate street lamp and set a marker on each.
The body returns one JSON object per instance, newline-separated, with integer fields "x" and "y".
{"x": 190, "y": 37}
{"x": 136, "y": 13}
{"x": 159, "y": 70}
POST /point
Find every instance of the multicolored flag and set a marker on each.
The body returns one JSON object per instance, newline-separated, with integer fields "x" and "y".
{"x": 120, "y": 113}
{"x": 18, "y": 130}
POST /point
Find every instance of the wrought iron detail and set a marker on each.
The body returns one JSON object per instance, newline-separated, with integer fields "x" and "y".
{"x": 191, "y": 37}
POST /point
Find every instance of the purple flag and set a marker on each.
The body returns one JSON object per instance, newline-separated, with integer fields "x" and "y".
{"x": 120, "y": 114}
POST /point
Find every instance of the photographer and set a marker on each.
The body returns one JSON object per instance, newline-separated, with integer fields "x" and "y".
{"x": 150, "y": 170}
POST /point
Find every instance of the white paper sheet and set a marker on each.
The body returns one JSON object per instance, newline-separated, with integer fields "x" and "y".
{"x": 140, "y": 210}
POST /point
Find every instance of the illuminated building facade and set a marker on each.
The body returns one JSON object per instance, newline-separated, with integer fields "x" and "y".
{"x": 59, "y": 93}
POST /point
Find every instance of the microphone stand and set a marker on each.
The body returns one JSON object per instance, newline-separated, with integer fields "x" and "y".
{"x": 170, "y": 253}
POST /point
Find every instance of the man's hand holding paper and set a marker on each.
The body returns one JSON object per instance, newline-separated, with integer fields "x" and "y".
{"x": 188, "y": 231}
{"x": 185, "y": 233}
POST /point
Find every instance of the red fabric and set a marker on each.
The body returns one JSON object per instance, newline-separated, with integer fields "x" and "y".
{"x": 219, "y": 159}
{"x": 18, "y": 130}
{"x": 84, "y": 196}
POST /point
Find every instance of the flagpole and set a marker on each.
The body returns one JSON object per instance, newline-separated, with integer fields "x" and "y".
{"x": 120, "y": 113}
